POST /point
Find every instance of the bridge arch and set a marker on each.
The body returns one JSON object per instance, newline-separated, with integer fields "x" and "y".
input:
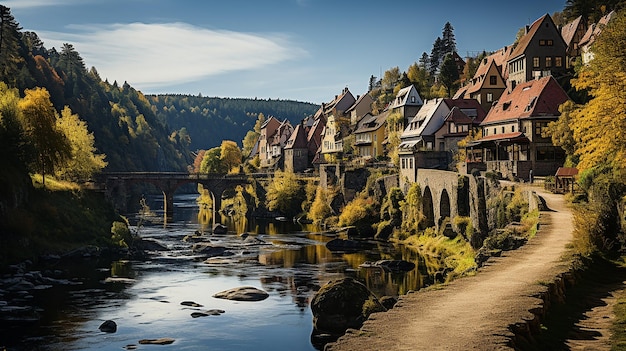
{"x": 444, "y": 206}
{"x": 428, "y": 208}
{"x": 116, "y": 185}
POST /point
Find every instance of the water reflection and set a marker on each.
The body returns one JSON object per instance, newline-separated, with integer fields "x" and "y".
{"x": 290, "y": 261}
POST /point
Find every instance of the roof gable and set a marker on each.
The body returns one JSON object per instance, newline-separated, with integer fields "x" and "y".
{"x": 371, "y": 123}
{"x": 407, "y": 97}
{"x": 297, "y": 140}
{"x": 469, "y": 107}
{"x": 535, "y": 98}
{"x": 569, "y": 30}
{"x": 537, "y": 27}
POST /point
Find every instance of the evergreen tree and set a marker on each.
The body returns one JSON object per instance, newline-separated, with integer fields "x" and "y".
{"x": 449, "y": 43}
{"x": 436, "y": 54}
{"x": 449, "y": 74}
{"x": 9, "y": 46}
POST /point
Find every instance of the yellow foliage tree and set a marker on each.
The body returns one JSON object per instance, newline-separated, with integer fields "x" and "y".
{"x": 230, "y": 155}
{"x": 84, "y": 161}
{"x": 599, "y": 127}
{"x": 39, "y": 119}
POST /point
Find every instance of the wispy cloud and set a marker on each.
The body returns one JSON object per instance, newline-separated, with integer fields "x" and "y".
{"x": 22, "y": 4}
{"x": 152, "y": 55}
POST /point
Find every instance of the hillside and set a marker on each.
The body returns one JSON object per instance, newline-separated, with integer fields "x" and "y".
{"x": 209, "y": 120}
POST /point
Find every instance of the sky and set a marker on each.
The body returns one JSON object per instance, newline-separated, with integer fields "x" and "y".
{"x": 303, "y": 50}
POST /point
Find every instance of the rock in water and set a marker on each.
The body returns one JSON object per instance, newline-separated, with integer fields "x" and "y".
{"x": 246, "y": 293}
{"x": 108, "y": 327}
{"x": 343, "y": 304}
{"x": 161, "y": 341}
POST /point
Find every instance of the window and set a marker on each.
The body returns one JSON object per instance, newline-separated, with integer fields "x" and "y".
{"x": 540, "y": 127}
{"x": 535, "y": 62}
{"x": 413, "y": 99}
{"x": 411, "y": 163}
{"x": 502, "y": 129}
{"x": 512, "y": 128}
{"x": 549, "y": 42}
{"x": 493, "y": 80}
{"x": 403, "y": 163}
{"x": 489, "y": 97}
{"x": 558, "y": 61}
{"x": 542, "y": 42}
{"x": 548, "y": 61}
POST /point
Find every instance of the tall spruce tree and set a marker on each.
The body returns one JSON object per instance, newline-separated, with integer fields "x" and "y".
{"x": 9, "y": 46}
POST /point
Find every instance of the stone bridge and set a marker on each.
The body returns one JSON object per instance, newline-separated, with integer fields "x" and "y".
{"x": 116, "y": 185}
{"x": 448, "y": 194}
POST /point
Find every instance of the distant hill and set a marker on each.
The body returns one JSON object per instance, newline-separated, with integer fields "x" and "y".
{"x": 209, "y": 120}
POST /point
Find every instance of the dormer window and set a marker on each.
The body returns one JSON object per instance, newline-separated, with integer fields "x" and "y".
{"x": 413, "y": 99}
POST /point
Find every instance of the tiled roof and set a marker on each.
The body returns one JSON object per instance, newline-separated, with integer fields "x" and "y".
{"x": 595, "y": 29}
{"x": 569, "y": 30}
{"x": 372, "y": 123}
{"x": 526, "y": 39}
{"x": 566, "y": 172}
{"x": 458, "y": 117}
{"x": 297, "y": 140}
{"x": 535, "y": 98}
{"x": 467, "y": 105}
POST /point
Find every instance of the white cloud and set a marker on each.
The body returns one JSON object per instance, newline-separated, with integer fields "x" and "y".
{"x": 22, "y": 4}
{"x": 152, "y": 55}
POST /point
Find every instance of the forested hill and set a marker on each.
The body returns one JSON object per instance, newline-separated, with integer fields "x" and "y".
{"x": 135, "y": 132}
{"x": 209, "y": 120}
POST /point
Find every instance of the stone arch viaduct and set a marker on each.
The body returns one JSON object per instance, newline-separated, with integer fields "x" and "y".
{"x": 448, "y": 194}
{"x": 116, "y": 186}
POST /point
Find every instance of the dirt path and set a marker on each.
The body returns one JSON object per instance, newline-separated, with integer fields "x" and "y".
{"x": 473, "y": 313}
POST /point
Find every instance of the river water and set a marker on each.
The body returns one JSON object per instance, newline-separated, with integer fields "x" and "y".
{"x": 144, "y": 297}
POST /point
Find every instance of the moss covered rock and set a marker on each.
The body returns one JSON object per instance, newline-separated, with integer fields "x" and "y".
{"x": 343, "y": 304}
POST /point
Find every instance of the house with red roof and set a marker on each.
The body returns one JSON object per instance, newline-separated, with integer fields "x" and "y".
{"x": 489, "y": 81}
{"x": 572, "y": 34}
{"x": 540, "y": 52}
{"x": 512, "y": 142}
{"x": 297, "y": 150}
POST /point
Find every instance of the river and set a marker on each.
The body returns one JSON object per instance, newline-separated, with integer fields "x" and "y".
{"x": 144, "y": 297}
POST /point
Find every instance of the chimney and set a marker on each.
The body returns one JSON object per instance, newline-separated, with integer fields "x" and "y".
{"x": 527, "y": 29}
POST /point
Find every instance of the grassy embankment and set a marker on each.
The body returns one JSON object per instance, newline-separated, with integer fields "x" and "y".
{"x": 56, "y": 219}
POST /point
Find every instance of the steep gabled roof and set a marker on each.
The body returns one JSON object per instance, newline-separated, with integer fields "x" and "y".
{"x": 458, "y": 117}
{"x": 402, "y": 97}
{"x": 469, "y": 107}
{"x": 525, "y": 40}
{"x": 541, "y": 97}
{"x": 358, "y": 102}
{"x": 595, "y": 29}
{"x": 370, "y": 123}
{"x": 569, "y": 30}
{"x": 297, "y": 140}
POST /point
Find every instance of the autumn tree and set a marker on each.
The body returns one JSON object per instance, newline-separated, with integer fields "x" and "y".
{"x": 51, "y": 145}
{"x": 285, "y": 194}
{"x": 252, "y": 136}
{"x": 230, "y": 155}
{"x": 197, "y": 161}
{"x": 211, "y": 162}
{"x": 561, "y": 132}
{"x": 84, "y": 160}
{"x": 598, "y": 126}
{"x": 15, "y": 146}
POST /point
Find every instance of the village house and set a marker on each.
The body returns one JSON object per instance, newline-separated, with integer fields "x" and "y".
{"x": 424, "y": 142}
{"x": 337, "y": 126}
{"x": 489, "y": 81}
{"x": 541, "y": 52}
{"x": 297, "y": 150}
{"x": 513, "y": 143}
{"x": 591, "y": 35}
{"x": 572, "y": 34}
{"x": 407, "y": 102}
{"x": 361, "y": 107}
{"x": 369, "y": 136}
{"x": 274, "y": 136}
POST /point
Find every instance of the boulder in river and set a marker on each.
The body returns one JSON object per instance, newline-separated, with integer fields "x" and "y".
{"x": 208, "y": 250}
{"x": 342, "y": 304}
{"x": 343, "y": 245}
{"x": 219, "y": 228}
{"x": 245, "y": 293}
{"x": 108, "y": 327}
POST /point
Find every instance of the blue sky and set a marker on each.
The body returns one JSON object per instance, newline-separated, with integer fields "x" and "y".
{"x": 305, "y": 50}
